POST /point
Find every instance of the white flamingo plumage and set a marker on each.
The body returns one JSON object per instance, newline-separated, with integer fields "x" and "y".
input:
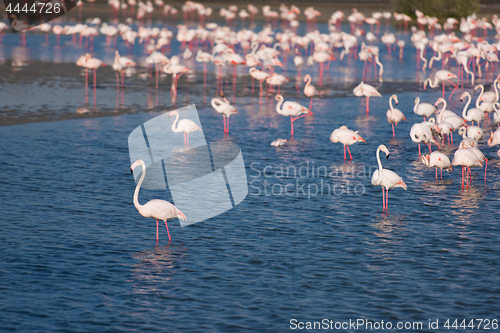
{"x": 292, "y": 109}
{"x": 394, "y": 116}
{"x": 368, "y": 91}
{"x": 156, "y": 208}
{"x": 386, "y": 178}
{"x": 441, "y": 76}
{"x": 278, "y": 142}
{"x": 347, "y": 137}
{"x": 227, "y": 110}
{"x": 309, "y": 89}
{"x": 473, "y": 114}
{"x": 437, "y": 160}
{"x": 423, "y": 109}
{"x": 466, "y": 158}
{"x": 186, "y": 126}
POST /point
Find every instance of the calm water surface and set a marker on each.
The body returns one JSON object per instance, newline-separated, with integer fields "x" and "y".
{"x": 76, "y": 256}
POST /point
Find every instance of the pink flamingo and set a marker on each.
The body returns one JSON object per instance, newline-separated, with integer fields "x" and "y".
{"x": 292, "y": 109}
{"x": 309, "y": 90}
{"x": 186, "y": 126}
{"x": 368, "y": 91}
{"x": 156, "y": 208}
{"x": 386, "y": 178}
{"x": 394, "y": 116}
{"x": 441, "y": 76}
{"x": 227, "y": 110}
{"x": 347, "y": 137}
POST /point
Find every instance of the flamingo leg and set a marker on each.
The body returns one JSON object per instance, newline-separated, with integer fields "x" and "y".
{"x": 349, "y": 152}
{"x": 485, "y": 169}
{"x": 123, "y": 78}
{"x": 455, "y": 87}
{"x": 117, "y": 81}
{"x": 467, "y": 172}
{"x": 185, "y": 138}
{"x": 393, "y": 133}
{"x": 311, "y": 104}
{"x": 156, "y": 232}
{"x": 291, "y": 123}
{"x": 383, "y": 200}
{"x": 437, "y": 173}
{"x": 188, "y": 138}
{"x": 344, "y": 153}
{"x": 387, "y": 201}
{"x": 367, "y": 105}
{"x": 227, "y": 125}
{"x": 168, "y": 232}
{"x": 429, "y": 145}
{"x": 419, "y": 153}
{"x": 441, "y": 173}
{"x": 224, "y": 119}
{"x": 463, "y": 178}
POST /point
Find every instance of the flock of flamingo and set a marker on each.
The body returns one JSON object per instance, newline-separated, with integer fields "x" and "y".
{"x": 264, "y": 52}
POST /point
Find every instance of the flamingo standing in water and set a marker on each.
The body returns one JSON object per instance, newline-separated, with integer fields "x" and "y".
{"x": 260, "y": 76}
{"x": 466, "y": 158}
{"x": 473, "y": 114}
{"x": 94, "y": 64}
{"x": 176, "y": 70}
{"x": 156, "y": 208}
{"x": 224, "y": 107}
{"x": 441, "y": 76}
{"x": 347, "y": 137}
{"x": 437, "y": 160}
{"x": 205, "y": 58}
{"x": 394, "y": 116}
{"x": 423, "y": 109}
{"x": 368, "y": 91}
{"x": 184, "y": 125}
{"x": 120, "y": 64}
{"x": 309, "y": 90}
{"x": 422, "y": 133}
{"x": 292, "y": 109}
{"x": 386, "y": 178}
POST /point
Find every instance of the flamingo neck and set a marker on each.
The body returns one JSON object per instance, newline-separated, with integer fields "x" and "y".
{"x": 138, "y": 187}
{"x": 495, "y": 85}
{"x": 417, "y": 103}
{"x": 174, "y": 129}
{"x": 479, "y": 97}
{"x": 464, "y": 111}
{"x": 379, "y": 179}
{"x": 308, "y": 83}
{"x": 278, "y": 106}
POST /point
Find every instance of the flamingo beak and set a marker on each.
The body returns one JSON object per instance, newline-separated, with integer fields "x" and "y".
{"x": 360, "y": 138}
{"x": 131, "y": 171}
{"x": 387, "y": 156}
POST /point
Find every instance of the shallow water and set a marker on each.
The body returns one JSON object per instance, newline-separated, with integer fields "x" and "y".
{"x": 78, "y": 257}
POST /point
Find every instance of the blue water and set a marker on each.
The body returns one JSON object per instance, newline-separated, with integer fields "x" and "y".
{"x": 76, "y": 256}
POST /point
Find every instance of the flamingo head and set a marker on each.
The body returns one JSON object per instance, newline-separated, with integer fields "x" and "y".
{"x": 385, "y": 150}
{"x": 439, "y": 101}
{"x": 172, "y": 113}
{"x": 426, "y": 159}
{"x": 135, "y": 165}
{"x": 463, "y": 96}
{"x": 358, "y": 137}
{"x": 490, "y": 139}
{"x": 180, "y": 215}
{"x": 395, "y": 99}
{"x": 278, "y": 97}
